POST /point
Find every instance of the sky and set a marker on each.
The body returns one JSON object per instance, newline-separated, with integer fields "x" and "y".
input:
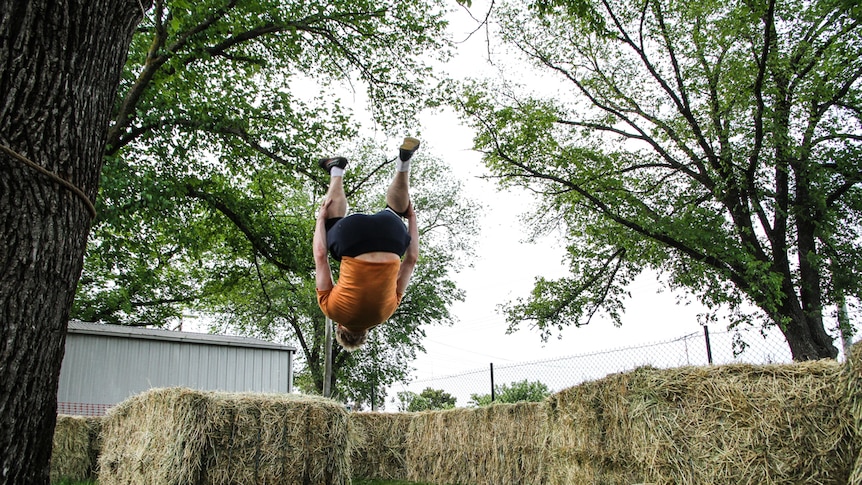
{"x": 505, "y": 269}
{"x": 506, "y": 265}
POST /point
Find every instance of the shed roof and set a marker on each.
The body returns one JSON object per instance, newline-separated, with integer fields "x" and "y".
{"x": 77, "y": 327}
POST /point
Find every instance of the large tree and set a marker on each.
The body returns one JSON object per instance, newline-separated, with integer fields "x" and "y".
{"x": 61, "y": 63}
{"x": 210, "y": 186}
{"x": 716, "y": 143}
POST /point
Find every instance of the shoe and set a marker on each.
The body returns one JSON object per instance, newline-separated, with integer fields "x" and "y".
{"x": 409, "y": 146}
{"x": 328, "y": 163}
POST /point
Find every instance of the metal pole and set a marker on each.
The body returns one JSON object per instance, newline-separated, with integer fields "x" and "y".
{"x": 708, "y": 346}
{"x": 844, "y": 327}
{"x": 492, "y": 383}
{"x": 327, "y": 359}
{"x": 374, "y": 374}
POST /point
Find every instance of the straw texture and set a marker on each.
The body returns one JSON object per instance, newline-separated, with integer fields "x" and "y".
{"x": 180, "y": 436}
{"x": 501, "y": 443}
{"x": 76, "y": 448}
{"x": 381, "y": 447}
{"x": 740, "y": 424}
{"x": 851, "y": 387}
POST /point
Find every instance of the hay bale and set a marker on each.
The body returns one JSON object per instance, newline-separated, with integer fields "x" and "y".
{"x": 381, "y": 450}
{"x": 745, "y": 424}
{"x": 700, "y": 425}
{"x": 588, "y": 426}
{"x": 181, "y": 436}
{"x": 851, "y": 386}
{"x": 501, "y": 443}
{"x": 156, "y": 437}
{"x": 76, "y": 448}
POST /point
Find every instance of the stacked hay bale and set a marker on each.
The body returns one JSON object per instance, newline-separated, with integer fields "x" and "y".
{"x": 851, "y": 387}
{"x": 381, "y": 448}
{"x": 76, "y": 448}
{"x": 588, "y": 427}
{"x": 771, "y": 424}
{"x": 501, "y": 443}
{"x": 181, "y": 436}
{"x": 701, "y": 425}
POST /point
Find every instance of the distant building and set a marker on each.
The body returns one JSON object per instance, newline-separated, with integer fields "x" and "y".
{"x": 106, "y": 364}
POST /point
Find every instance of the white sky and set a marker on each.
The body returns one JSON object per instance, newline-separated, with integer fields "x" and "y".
{"x": 505, "y": 269}
{"x": 506, "y": 266}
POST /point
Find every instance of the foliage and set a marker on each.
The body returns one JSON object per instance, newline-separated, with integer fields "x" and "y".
{"x": 428, "y": 400}
{"x": 210, "y": 186}
{"x": 275, "y": 305}
{"x": 521, "y": 391}
{"x": 714, "y": 143}
{"x": 218, "y": 112}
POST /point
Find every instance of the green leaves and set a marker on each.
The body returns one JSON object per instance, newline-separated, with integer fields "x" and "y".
{"x": 210, "y": 187}
{"x": 579, "y": 11}
{"x": 701, "y": 140}
{"x": 520, "y": 391}
{"x": 428, "y": 400}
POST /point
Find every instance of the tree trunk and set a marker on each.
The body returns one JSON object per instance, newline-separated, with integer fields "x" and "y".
{"x": 805, "y": 343}
{"x": 61, "y": 65}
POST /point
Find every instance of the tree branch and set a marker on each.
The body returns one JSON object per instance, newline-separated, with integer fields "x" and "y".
{"x": 240, "y": 222}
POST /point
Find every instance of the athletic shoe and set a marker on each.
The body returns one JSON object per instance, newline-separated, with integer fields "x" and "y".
{"x": 409, "y": 146}
{"x": 328, "y": 163}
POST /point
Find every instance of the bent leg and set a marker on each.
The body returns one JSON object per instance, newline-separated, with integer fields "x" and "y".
{"x": 338, "y": 200}
{"x": 398, "y": 193}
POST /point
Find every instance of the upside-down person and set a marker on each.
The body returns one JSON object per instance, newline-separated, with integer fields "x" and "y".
{"x": 377, "y": 252}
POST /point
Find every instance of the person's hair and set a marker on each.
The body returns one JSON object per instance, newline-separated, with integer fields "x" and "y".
{"x": 348, "y": 339}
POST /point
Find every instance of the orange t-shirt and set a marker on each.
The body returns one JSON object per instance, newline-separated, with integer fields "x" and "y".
{"x": 365, "y": 294}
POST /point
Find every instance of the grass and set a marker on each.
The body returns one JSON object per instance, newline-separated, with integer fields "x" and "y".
{"x": 356, "y": 481}
{"x": 362, "y": 481}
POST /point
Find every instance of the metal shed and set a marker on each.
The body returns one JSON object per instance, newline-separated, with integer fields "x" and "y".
{"x": 106, "y": 364}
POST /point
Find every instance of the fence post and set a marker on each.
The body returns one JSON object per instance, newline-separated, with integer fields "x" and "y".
{"x": 844, "y": 328}
{"x": 374, "y": 373}
{"x": 492, "y": 382}
{"x": 327, "y": 358}
{"x": 708, "y": 346}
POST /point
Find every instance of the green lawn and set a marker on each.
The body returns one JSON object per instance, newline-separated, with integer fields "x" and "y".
{"x": 358, "y": 481}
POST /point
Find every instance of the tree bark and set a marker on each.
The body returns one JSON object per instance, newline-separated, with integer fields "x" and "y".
{"x": 799, "y": 329}
{"x": 61, "y": 66}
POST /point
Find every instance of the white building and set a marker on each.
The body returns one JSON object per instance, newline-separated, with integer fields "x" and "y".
{"x": 106, "y": 364}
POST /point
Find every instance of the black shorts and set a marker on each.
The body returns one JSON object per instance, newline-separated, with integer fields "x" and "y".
{"x": 363, "y": 233}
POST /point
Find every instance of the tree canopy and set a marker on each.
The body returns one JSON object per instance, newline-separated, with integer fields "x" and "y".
{"x": 519, "y": 391}
{"x": 427, "y": 400}
{"x": 715, "y": 143}
{"x": 210, "y": 185}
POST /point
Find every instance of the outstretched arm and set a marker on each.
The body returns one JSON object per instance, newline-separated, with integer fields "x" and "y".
{"x": 322, "y": 272}
{"x": 411, "y": 256}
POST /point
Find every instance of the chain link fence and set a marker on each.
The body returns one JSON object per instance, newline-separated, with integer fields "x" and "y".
{"x": 695, "y": 349}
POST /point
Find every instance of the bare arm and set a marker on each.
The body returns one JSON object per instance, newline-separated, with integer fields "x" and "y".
{"x": 322, "y": 272}
{"x": 411, "y": 256}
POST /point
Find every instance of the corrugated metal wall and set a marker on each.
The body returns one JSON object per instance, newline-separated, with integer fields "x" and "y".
{"x": 102, "y": 370}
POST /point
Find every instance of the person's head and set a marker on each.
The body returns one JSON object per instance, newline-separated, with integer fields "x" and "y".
{"x": 348, "y": 339}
